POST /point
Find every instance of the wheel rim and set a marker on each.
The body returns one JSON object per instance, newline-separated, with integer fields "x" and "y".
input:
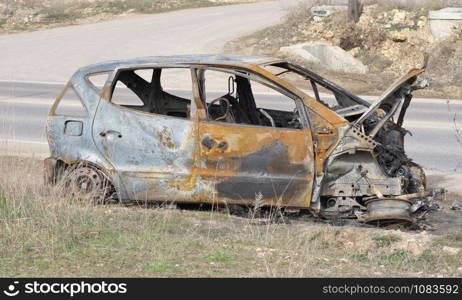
{"x": 87, "y": 184}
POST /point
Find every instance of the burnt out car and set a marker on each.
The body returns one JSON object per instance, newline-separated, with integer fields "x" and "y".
{"x": 233, "y": 130}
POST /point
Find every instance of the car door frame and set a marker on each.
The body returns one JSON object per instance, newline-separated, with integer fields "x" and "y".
{"x": 212, "y": 189}
{"x": 171, "y": 186}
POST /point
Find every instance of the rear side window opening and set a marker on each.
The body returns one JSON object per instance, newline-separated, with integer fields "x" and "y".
{"x": 97, "y": 80}
{"x": 69, "y": 104}
{"x": 164, "y": 91}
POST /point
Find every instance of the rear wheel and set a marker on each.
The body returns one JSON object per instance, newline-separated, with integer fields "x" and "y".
{"x": 88, "y": 184}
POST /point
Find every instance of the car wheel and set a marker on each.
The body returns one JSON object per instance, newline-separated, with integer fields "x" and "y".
{"x": 88, "y": 184}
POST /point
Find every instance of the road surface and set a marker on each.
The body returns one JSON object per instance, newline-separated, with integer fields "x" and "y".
{"x": 53, "y": 55}
{"x": 34, "y": 67}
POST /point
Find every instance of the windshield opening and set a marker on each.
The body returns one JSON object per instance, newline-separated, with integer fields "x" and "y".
{"x": 319, "y": 88}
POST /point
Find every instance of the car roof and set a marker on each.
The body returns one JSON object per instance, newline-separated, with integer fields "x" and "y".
{"x": 202, "y": 59}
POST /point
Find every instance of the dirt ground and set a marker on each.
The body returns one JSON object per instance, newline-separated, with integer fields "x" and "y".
{"x": 445, "y": 220}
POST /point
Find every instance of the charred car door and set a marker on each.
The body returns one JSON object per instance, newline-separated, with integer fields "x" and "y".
{"x": 248, "y": 153}
{"x": 147, "y": 134}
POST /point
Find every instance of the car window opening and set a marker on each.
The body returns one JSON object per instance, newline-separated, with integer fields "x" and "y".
{"x": 322, "y": 90}
{"x": 236, "y": 99}
{"x": 134, "y": 89}
{"x": 69, "y": 104}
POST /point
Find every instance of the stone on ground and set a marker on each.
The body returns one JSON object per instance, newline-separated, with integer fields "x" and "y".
{"x": 326, "y": 56}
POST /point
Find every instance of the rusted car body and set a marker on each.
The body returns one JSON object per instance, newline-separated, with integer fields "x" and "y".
{"x": 330, "y": 159}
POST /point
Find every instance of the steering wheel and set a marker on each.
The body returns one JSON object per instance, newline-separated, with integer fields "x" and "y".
{"x": 226, "y": 115}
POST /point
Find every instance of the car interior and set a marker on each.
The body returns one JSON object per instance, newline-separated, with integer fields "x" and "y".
{"x": 153, "y": 98}
{"x": 239, "y": 104}
{"x": 236, "y": 104}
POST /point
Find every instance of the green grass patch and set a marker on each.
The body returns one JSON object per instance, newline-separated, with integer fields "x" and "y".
{"x": 360, "y": 257}
{"x": 385, "y": 240}
{"x": 427, "y": 257}
{"x": 219, "y": 255}
{"x": 9, "y": 210}
{"x": 4, "y": 207}
{"x": 450, "y": 240}
{"x": 161, "y": 267}
{"x": 397, "y": 258}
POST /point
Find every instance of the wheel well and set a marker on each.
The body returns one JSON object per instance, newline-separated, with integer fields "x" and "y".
{"x": 62, "y": 166}
{"x": 56, "y": 171}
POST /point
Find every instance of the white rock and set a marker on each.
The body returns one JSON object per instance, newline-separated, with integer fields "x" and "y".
{"x": 327, "y": 56}
{"x": 422, "y": 21}
{"x": 398, "y": 37}
{"x": 444, "y": 22}
{"x": 355, "y": 51}
{"x": 399, "y": 17}
{"x": 317, "y": 18}
{"x": 298, "y": 51}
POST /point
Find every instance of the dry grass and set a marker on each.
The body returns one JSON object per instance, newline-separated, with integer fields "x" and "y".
{"x": 43, "y": 234}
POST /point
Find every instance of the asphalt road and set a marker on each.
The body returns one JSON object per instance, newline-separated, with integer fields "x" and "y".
{"x": 53, "y": 55}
